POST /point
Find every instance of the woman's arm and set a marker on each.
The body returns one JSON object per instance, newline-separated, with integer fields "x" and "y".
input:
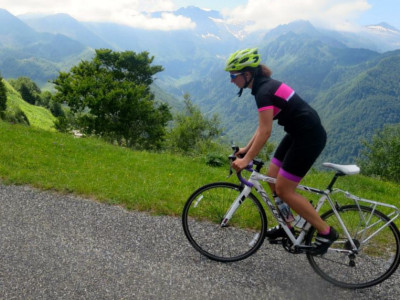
{"x": 243, "y": 151}
{"x": 259, "y": 139}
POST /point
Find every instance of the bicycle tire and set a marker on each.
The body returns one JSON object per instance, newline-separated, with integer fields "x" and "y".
{"x": 376, "y": 259}
{"x": 201, "y": 219}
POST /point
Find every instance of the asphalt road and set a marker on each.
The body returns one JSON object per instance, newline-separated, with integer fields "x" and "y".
{"x": 56, "y": 246}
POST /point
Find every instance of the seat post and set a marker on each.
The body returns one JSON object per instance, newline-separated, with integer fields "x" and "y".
{"x": 337, "y": 175}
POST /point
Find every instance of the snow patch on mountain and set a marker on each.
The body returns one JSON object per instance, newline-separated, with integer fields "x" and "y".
{"x": 210, "y": 35}
{"x": 383, "y": 28}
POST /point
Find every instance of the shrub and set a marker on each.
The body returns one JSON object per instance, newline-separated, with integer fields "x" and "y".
{"x": 380, "y": 156}
{"x": 3, "y": 96}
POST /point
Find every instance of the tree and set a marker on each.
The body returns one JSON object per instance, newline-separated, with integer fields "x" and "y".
{"x": 110, "y": 97}
{"x": 28, "y": 89}
{"x": 3, "y": 96}
{"x": 192, "y": 131}
{"x": 46, "y": 100}
{"x": 380, "y": 157}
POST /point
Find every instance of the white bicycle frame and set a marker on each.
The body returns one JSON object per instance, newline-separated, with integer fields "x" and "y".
{"x": 255, "y": 179}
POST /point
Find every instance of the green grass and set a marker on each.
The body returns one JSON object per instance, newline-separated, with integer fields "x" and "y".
{"x": 154, "y": 182}
{"x": 39, "y": 117}
{"x": 362, "y": 186}
{"x": 158, "y": 183}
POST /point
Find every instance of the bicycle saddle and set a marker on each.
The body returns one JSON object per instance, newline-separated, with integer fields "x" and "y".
{"x": 345, "y": 169}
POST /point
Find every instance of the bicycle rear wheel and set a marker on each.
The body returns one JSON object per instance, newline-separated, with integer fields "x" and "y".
{"x": 204, "y": 212}
{"x": 376, "y": 258}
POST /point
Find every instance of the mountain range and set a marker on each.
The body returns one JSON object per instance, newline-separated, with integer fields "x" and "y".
{"x": 350, "y": 78}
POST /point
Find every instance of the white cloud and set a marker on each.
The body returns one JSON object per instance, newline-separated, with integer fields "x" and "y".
{"x": 256, "y": 14}
{"x": 267, "y": 14}
{"x": 135, "y": 13}
{"x": 167, "y": 21}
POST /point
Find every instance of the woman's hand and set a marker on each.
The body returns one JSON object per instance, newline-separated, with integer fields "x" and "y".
{"x": 239, "y": 164}
{"x": 242, "y": 152}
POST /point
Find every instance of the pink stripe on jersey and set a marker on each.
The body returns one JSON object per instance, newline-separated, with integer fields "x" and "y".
{"x": 284, "y": 92}
{"x": 266, "y": 108}
{"x": 276, "y": 109}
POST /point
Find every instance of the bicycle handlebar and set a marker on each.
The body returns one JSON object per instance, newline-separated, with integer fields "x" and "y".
{"x": 242, "y": 180}
{"x": 239, "y": 174}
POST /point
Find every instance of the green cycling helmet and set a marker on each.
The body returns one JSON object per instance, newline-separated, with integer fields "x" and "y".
{"x": 242, "y": 59}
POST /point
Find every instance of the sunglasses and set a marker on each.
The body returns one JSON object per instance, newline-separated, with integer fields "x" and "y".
{"x": 233, "y": 76}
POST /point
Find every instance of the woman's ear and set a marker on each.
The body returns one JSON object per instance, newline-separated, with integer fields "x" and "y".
{"x": 249, "y": 75}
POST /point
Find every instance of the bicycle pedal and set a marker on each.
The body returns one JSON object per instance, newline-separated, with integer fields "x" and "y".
{"x": 276, "y": 242}
{"x": 305, "y": 249}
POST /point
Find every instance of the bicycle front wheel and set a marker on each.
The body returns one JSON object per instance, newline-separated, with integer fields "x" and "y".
{"x": 377, "y": 255}
{"x": 202, "y": 217}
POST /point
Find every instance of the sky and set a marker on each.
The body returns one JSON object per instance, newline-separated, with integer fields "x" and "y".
{"x": 346, "y": 15}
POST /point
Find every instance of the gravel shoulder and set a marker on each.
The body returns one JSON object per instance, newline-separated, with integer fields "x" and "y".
{"x": 55, "y": 246}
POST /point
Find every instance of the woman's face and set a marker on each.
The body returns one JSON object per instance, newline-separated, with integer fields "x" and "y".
{"x": 238, "y": 78}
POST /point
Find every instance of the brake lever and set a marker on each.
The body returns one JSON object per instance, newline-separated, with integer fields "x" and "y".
{"x": 230, "y": 172}
{"x": 231, "y": 158}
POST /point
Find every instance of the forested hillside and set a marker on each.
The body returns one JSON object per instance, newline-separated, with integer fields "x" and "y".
{"x": 364, "y": 98}
{"x": 356, "y": 91}
{"x": 37, "y": 55}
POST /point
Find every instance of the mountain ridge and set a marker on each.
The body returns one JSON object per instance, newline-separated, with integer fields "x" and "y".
{"x": 66, "y": 25}
{"x": 39, "y": 55}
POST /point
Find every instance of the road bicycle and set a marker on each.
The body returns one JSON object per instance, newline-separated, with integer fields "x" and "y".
{"x": 226, "y": 222}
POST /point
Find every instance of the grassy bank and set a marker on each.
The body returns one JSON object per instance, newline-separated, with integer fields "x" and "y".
{"x": 158, "y": 183}
{"x": 137, "y": 180}
{"x": 39, "y": 117}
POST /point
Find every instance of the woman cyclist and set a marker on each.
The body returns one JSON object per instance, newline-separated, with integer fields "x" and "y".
{"x": 304, "y": 140}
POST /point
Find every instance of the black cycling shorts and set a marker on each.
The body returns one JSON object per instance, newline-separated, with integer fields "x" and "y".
{"x": 296, "y": 154}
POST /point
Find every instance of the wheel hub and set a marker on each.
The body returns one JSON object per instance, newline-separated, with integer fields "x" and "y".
{"x": 352, "y": 256}
{"x": 348, "y": 245}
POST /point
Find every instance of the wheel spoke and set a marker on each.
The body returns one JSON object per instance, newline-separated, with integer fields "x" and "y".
{"x": 377, "y": 255}
{"x": 202, "y": 218}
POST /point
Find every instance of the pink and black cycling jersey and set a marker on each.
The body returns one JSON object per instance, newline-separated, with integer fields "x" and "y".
{"x": 305, "y": 138}
{"x": 289, "y": 109}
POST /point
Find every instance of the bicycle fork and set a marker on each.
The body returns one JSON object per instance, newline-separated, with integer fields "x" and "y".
{"x": 235, "y": 205}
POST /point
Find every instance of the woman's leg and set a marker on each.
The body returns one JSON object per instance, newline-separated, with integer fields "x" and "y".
{"x": 286, "y": 190}
{"x": 299, "y": 158}
{"x": 327, "y": 235}
{"x": 273, "y": 171}
{"x": 277, "y": 231}
{"x": 279, "y": 155}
